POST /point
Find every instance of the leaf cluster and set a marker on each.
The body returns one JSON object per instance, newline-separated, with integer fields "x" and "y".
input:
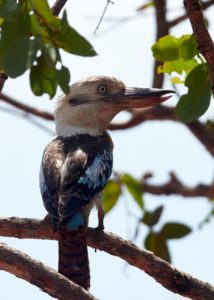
{"x": 186, "y": 66}
{"x": 156, "y": 240}
{"x": 31, "y": 39}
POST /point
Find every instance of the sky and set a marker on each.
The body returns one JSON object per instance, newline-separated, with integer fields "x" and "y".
{"x": 124, "y": 52}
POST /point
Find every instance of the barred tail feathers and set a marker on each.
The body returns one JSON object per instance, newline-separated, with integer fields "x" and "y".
{"x": 73, "y": 257}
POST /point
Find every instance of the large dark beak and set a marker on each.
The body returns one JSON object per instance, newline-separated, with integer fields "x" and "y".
{"x": 139, "y": 97}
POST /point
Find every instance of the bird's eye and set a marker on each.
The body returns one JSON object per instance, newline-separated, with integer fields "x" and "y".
{"x": 102, "y": 89}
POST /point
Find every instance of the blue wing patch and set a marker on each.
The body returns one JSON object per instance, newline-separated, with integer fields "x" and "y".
{"x": 74, "y": 169}
{"x": 90, "y": 183}
{"x": 95, "y": 174}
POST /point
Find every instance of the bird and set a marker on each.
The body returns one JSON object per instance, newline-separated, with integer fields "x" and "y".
{"x": 77, "y": 163}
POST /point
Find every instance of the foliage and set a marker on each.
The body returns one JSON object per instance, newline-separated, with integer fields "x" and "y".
{"x": 182, "y": 61}
{"x": 37, "y": 35}
{"x": 156, "y": 240}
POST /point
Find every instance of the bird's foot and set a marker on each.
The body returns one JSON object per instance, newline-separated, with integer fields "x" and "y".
{"x": 47, "y": 219}
{"x": 100, "y": 226}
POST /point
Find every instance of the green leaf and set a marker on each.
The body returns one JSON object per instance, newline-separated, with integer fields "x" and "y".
{"x": 44, "y": 13}
{"x": 10, "y": 30}
{"x": 175, "y": 230}
{"x": 134, "y": 188}
{"x": 111, "y": 195}
{"x": 192, "y": 105}
{"x": 152, "y": 218}
{"x": 156, "y": 243}
{"x": 166, "y": 48}
{"x": 8, "y": 8}
{"x": 43, "y": 77}
{"x": 210, "y": 126}
{"x": 72, "y": 42}
{"x": 176, "y": 80}
{"x": 188, "y": 48}
{"x": 179, "y": 66}
{"x": 146, "y": 5}
{"x": 15, "y": 63}
{"x": 64, "y": 79}
{"x": 50, "y": 52}
{"x": 169, "y": 48}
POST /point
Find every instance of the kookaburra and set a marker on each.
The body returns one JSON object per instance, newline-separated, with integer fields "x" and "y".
{"x": 77, "y": 164}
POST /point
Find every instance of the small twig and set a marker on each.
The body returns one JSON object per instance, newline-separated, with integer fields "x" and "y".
{"x": 168, "y": 276}
{"x": 24, "y": 107}
{"x": 28, "y": 117}
{"x": 3, "y": 78}
{"x": 57, "y": 7}
{"x": 160, "y": 112}
{"x": 45, "y": 278}
{"x": 103, "y": 13}
{"x": 176, "y": 187}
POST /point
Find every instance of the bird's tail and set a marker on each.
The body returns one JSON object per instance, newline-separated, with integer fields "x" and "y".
{"x": 73, "y": 257}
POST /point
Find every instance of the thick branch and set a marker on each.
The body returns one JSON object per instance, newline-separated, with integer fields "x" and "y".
{"x": 57, "y": 7}
{"x": 203, "y": 38}
{"x": 175, "y": 186}
{"x": 171, "y": 278}
{"x": 23, "y": 266}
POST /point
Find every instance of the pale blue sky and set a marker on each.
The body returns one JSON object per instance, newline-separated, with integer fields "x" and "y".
{"x": 160, "y": 147}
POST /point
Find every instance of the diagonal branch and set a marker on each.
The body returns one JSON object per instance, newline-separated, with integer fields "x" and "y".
{"x": 23, "y": 266}
{"x": 203, "y": 38}
{"x": 175, "y": 186}
{"x": 159, "y": 112}
{"x": 183, "y": 17}
{"x": 3, "y": 78}
{"x": 57, "y": 7}
{"x": 27, "y": 108}
{"x": 168, "y": 276}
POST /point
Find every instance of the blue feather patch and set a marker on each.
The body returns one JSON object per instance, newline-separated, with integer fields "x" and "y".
{"x": 75, "y": 222}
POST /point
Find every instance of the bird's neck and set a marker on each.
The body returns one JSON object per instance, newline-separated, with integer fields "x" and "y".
{"x": 71, "y": 129}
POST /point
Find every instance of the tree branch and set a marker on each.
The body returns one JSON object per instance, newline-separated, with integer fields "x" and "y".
{"x": 183, "y": 17}
{"x": 203, "y": 38}
{"x": 27, "y": 108}
{"x": 160, "y": 112}
{"x": 23, "y": 266}
{"x": 171, "y": 278}
{"x": 57, "y": 7}
{"x": 3, "y": 78}
{"x": 175, "y": 186}
{"x": 162, "y": 29}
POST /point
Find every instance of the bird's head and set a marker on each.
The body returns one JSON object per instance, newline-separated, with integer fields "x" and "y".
{"x": 93, "y": 102}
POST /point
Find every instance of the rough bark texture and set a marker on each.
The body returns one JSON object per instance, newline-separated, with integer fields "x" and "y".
{"x": 23, "y": 266}
{"x": 168, "y": 276}
{"x": 203, "y": 38}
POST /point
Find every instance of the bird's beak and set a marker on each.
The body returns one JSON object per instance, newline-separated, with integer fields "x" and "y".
{"x": 140, "y": 97}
